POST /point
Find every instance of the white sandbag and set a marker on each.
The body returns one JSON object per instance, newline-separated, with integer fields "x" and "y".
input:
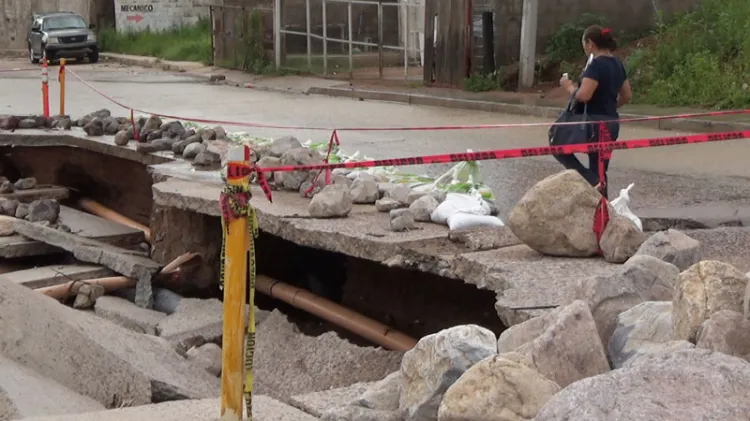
{"x": 622, "y": 206}
{"x": 462, "y": 220}
{"x": 460, "y": 203}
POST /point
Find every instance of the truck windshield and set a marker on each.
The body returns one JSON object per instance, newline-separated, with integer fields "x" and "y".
{"x": 64, "y": 22}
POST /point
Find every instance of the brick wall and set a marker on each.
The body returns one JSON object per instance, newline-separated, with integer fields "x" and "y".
{"x": 624, "y": 15}
{"x": 137, "y": 15}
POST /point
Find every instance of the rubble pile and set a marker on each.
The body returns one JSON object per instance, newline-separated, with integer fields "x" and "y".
{"x": 45, "y": 211}
{"x": 649, "y": 342}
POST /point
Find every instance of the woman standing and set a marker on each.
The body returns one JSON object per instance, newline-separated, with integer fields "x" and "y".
{"x": 603, "y": 89}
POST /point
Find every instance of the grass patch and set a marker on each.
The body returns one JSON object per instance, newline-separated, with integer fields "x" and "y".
{"x": 183, "y": 43}
{"x": 701, "y": 58}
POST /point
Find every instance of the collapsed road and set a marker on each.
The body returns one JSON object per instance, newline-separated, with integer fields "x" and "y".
{"x": 125, "y": 211}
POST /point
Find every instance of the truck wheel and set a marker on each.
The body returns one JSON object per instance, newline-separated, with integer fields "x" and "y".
{"x": 94, "y": 56}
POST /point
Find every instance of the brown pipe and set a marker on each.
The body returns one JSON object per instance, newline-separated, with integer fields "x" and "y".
{"x": 336, "y": 314}
{"x": 71, "y": 287}
{"x": 102, "y": 211}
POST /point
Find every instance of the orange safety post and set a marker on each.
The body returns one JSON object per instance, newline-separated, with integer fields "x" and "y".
{"x": 239, "y": 226}
{"x": 61, "y": 79}
{"x": 45, "y": 87}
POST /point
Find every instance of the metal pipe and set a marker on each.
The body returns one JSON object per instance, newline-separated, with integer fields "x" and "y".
{"x": 102, "y": 211}
{"x": 325, "y": 40}
{"x": 308, "y": 26}
{"x": 336, "y": 314}
{"x": 380, "y": 39}
{"x": 349, "y": 24}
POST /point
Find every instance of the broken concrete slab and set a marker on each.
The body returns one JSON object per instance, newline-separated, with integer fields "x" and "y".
{"x": 126, "y": 262}
{"x": 80, "y": 223}
{"x": 47, "y": 338}
{"x": 485, "y": 238}
{"x": 46, "y": 276}
{"x": 264, "y": 409}
{"x": 128, "y": 315}
{"x": 50, "y": 192}
{"x": 283, "y": 352}
{"x": 195, "y": 318}
{"x": 703, "y": 216}
{"x": 33, "y": 395}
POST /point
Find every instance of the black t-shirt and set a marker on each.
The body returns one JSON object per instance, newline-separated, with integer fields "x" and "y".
{"x": 610, "y": 73}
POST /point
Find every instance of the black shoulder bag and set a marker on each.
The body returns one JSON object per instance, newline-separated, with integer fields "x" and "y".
{"x": 571, "y": 133}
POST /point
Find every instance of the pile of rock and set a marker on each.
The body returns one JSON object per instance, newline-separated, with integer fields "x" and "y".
{"x": 44, "y": 211}
{"x": 14, "y": 122}
{"x": 655, "y": 341}
{"x": 556, "y": 218}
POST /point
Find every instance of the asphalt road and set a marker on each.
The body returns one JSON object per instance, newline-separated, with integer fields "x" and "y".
{"x": 664, "y": 177}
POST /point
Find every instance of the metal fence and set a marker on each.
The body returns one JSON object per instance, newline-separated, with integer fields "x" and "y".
{"x": 355, "y": 39}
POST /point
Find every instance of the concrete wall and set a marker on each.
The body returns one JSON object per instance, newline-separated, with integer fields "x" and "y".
{"x": 15, "y": 17}
{"x": 157, "y": 15}
{"x": 627, "y": 15}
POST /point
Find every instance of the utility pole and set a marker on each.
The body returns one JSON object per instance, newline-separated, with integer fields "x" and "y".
{"x": 527, "y": 61}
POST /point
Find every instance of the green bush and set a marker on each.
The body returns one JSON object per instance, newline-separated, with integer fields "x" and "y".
{"x": 701, "y": 58}
{"x": 565, "y": 44}
{"x": 183, "y": 43}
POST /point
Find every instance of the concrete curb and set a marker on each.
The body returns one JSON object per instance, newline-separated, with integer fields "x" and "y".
{"x": 686, "y": 125}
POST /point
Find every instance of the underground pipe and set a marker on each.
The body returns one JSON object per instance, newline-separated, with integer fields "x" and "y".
{"x": 102, "y": 211}
{"x": 339, "y": 315}
{"x": 70, "y": 287}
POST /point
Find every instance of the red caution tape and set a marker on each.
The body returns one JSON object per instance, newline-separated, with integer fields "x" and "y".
{"x": 604, "y": 147}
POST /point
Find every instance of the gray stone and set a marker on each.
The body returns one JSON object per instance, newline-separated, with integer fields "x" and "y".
{"x": 178, "y": 147}
{"x": 156, "y": 134}
{"x": 334, "y": 201}
{"x": 207, "y": 134}
{"x": 674, "y": 247}
{"x": 192, "y": 150}
{"x": 642, "y": 326}
{"x": 28, "y": 123}
{"x": 25, "y": 183}
{"x": 279, "y": 146}
{"x": 22, "y": 210}
{"x": 207, "y": 158}
{"x": 621, "y": 239}
{"x": 663, "y": 348}
{"x": 193, "y": 318}
{"x": 9, "y": 122}
{"x": 64, "y": 123}
{"x": 726, "y": 331}
{"x": 7, "y": 226}
{"x": 387, "y": 204}
{"x": 384, "y": 394}
{"x": 562, "y": 345}
{"x": 111, "y": 126}
{"x": 292, "y": 180}
{"x": 151, "y": 124}
{"x": 399, "y": 192}
{"x": 172, "y": 127}
{"x": 402, "y": 221}
{"x": 43, "y": 210}
{"x": 86, "y": 295}
{"x": 484, "y": 238}
{"x": 702, "y": 290}
{"x": 423, "y": 207}
{"x": 220, "y": 132}
{"x": 436, "y": 362}
{"x": 94, "y": 127}
{"x": 364, "y": 190}
{"x": 413, "y": 196}
{"x": 555, "y": 216}
{"x": 496, "y": 389}
{"x": 208, "y": 357}
{"x": 6, "y": 186}
{"x": 146, "y": 148}
{"x": 8, "y": 207}
{"x": 688, "y": 385}
{"x": 641, "y": 278}
{"x": 123, "y": 137}
{"x": 128, "y": 315}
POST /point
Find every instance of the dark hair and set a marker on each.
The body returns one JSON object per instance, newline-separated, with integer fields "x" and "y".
{"x": 602, "y": 37}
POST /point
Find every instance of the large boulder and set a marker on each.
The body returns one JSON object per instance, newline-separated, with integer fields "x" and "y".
{"x": 563, "y": 346}
{"x": 641, "y": 278}
{"x": 674, "y": 247}
{"x": 688, "y": 385}
{"x": 496, "y": 389}
{"x": 436, "y": 362}
{"x": 726, "y": 331}
{"x": 334, "y": 201}
{"x": 555, "y": 217}
{"x": 702, "y": 290}
{"x": 621, "y": 239}
{"x": 643, "y": 326}
{"x": 292, "y": 180}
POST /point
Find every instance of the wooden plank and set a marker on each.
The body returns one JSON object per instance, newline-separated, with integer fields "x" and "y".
{"x": 129, "y": 263}
{"x": 46, "y": 276}
{"x": 48, "y": 192}
{"x": 80, "y": 223}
